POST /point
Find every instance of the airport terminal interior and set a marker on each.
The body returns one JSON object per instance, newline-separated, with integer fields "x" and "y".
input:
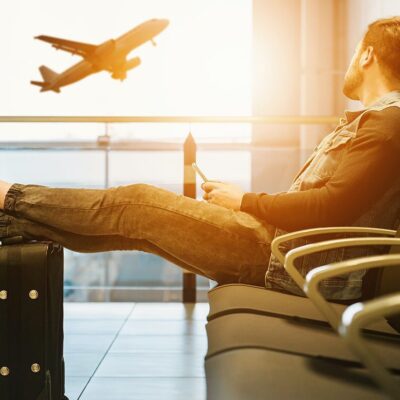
{"x": 97, "y": 95}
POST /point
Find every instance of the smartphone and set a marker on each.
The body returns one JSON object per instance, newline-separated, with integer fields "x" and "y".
{"x": 198, "y": 170}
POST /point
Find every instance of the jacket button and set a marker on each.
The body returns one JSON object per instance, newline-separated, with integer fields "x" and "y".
{"x": 35, "y": 368}
{"x": 33, "y": 294}
{"x": 4, "y": 371}
{"x": 3, "y": 295}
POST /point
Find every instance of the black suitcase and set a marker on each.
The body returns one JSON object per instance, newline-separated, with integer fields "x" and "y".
{"x": 31, "y": 321}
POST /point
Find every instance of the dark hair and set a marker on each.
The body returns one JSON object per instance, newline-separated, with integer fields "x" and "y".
{"x": 384, "y": 36}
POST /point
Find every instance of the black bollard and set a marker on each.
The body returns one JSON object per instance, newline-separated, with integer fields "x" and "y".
{"x": 189, "y": 190}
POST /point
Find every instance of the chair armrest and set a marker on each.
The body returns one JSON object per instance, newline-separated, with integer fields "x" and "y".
{"x": 315, "y": 276}
{"x": 354, "y": 319}
{"x": 322, "y": 231}
{"x": 307, "y": 249}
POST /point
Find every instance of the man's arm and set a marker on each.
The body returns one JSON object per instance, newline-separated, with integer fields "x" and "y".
{"x": 366, "y": 172}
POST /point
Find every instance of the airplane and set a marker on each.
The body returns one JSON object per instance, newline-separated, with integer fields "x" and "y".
{"x": 109, "y": 56}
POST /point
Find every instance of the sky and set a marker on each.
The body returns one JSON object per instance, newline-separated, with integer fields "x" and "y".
{"x": 200, "y": 66}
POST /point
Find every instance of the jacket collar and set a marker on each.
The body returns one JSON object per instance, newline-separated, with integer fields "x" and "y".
{"x": 385, "y": 101}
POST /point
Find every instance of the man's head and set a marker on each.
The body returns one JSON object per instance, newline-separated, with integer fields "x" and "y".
{"x": 376, "y": 58}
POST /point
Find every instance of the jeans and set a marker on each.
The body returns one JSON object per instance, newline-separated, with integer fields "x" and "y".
{"x": 224, "y": 245}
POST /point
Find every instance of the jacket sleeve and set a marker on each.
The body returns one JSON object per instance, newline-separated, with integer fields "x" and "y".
{"x": 370, "y": 167}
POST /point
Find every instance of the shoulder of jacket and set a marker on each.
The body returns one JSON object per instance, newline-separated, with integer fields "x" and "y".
{"x": 384, "y": 122}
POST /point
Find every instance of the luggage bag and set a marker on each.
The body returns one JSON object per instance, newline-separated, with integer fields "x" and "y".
{"x": 31, "y": 321}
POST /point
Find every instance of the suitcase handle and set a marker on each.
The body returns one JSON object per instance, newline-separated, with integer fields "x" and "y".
{"x": 12, "y": 240}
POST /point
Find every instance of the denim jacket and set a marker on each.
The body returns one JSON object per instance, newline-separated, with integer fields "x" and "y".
{"x": 318, "y": 168}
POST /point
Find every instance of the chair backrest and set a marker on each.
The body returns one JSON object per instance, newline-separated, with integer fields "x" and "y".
{"x": 390, "y": 277}
{"x": 380, "y": 281}
{"x": 390, "y": 283}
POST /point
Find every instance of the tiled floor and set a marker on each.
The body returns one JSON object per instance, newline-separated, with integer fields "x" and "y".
{"x": 141, "y": 351}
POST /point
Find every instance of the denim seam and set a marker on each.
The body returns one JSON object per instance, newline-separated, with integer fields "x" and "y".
{"x": 11, "y": 197}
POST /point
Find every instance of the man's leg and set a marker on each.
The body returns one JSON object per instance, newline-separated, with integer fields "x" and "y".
{"x": 225, "y": 245}
{"x": 11, "y": 226}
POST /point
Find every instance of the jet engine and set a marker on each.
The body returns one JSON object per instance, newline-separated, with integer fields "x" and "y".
{"x": 120, "y": 71}
{"x": 132, "y": 63}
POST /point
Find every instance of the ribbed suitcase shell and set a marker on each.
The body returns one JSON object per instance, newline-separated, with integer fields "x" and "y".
{"x": 31, "y": 322}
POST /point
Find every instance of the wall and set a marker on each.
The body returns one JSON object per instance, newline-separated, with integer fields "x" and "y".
{"x": 297, "y": 62}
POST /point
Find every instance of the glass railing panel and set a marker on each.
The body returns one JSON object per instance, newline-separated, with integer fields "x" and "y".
{"x": 146, "y": 153}
{"x": 72, "y": 168}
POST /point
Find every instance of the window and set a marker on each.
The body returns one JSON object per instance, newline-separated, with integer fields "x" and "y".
{"x": 200, "y": 66}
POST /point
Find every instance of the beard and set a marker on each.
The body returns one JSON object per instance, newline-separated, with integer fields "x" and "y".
{"x": 353, "y": 81}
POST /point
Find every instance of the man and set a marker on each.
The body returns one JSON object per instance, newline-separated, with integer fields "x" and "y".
{"x": 352, "y": 178}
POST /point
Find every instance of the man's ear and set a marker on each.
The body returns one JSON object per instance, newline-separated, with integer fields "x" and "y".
{"x": 367, "y": 56}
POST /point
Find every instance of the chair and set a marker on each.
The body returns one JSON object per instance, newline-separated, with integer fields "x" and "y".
{"x": 259, "y": 374}
{"x": 359, "y": 315}
{"x": 353, "y": 321}
{"x": 270, "y": 338}
{"x": 300, "y": 333}
{"x": 233, "y": 298}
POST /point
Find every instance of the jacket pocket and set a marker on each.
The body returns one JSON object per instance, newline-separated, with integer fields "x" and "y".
{"x": 340, "y": 140}
{"x": 328, "y": 159}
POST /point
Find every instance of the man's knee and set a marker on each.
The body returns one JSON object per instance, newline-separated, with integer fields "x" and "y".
{"x": 145, "y": 194}
{"x": 132, "y": 192}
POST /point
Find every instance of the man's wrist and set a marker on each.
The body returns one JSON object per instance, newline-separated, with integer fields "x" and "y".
{"x": 249, "y": 202}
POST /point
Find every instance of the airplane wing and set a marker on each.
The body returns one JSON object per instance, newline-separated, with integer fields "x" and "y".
{"x": 81, "y": 49}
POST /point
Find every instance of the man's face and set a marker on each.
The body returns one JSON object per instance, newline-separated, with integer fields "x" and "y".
{"x": 354, "y": 76}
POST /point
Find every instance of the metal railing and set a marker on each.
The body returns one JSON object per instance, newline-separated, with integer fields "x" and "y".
{"x": 270, "y": 119}
{"x": 189, "y": 147}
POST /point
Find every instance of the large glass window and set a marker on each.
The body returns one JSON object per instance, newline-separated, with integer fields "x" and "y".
{"x": 200, "y": 66}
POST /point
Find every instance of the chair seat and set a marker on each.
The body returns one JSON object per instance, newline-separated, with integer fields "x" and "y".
{"x": 234, "y": 298}
{"x": 259, "y": 374}
{"x": 246, "y": 330}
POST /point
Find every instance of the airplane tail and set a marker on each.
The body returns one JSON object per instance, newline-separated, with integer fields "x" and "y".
{"x": 37, "y": 83}
{"x": 48, "y": 74}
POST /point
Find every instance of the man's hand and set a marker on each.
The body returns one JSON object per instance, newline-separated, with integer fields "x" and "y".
{"x": 223, "y": 194}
